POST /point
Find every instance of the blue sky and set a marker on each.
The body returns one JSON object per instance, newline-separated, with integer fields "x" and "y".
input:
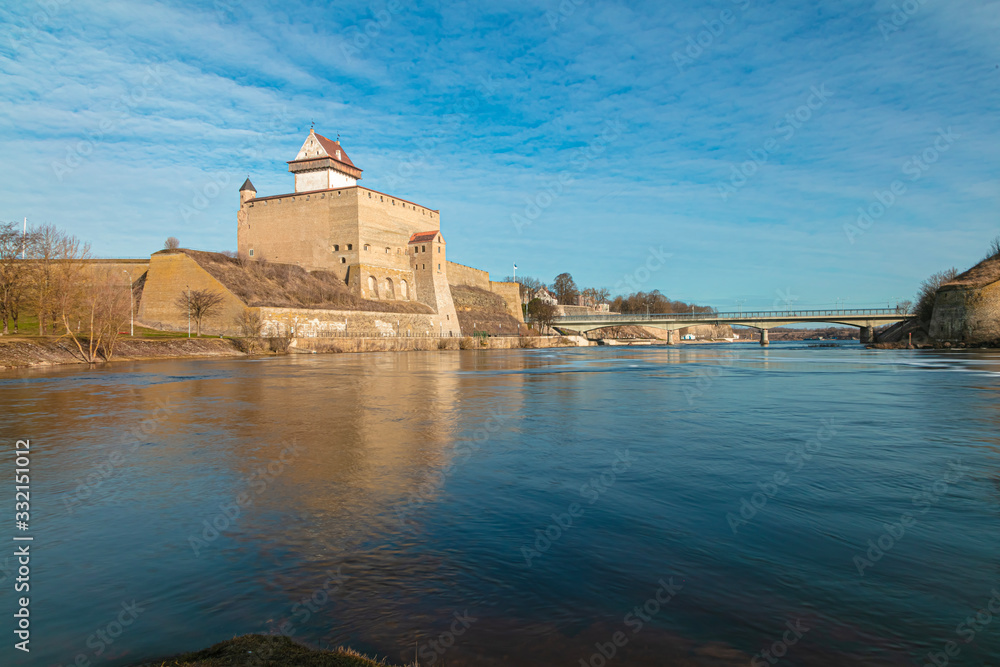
{"x": 740, "y": 138}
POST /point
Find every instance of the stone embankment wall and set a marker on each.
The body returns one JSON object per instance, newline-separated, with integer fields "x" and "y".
{"x": 304, "y": 323}
{"x": 967, "y": 313}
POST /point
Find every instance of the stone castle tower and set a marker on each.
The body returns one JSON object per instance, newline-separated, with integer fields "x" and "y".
{"x": 383, "y": 247}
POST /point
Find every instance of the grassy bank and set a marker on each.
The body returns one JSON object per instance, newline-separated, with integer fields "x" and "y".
{"x": 266, "y": 651}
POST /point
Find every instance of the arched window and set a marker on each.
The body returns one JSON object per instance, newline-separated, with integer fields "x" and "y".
{"x": 403, "y": 287}
{"x": 336, "y": 248}
{"x": 389, "y": 292}
{"x": 372, "y": 287}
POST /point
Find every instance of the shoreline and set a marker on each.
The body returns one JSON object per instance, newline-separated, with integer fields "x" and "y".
{"x": 276, "y": 650}
{"x": 26, "y": 352}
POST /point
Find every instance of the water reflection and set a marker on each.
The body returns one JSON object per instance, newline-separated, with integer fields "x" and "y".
{"x": 421, "y": 476}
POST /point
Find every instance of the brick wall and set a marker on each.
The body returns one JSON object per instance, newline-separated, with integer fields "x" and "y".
{"x": 459, "y": 274}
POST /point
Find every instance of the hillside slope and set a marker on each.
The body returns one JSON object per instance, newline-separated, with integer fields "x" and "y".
{"x": 260, "y": 283}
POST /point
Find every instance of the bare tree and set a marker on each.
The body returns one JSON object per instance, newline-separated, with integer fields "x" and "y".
{"x": 199, "y": 304}
{"x": 994, "y": 250}
{"x": 928, "y": 292}
{"x": 172, "y": 243}
{"x": 250, "y": 325}
{"x": 15, "y": 273}
{"x": 45, "y": 252}
{"x": 100, "y": 308}
{"x": 541, "y": 313}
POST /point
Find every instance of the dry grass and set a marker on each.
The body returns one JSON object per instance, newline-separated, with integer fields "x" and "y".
{"x": 481, "y": 310}
{"x": 260, "y": 283}
{"x": 266, "y": 651}
{"x": 982, "y": 274}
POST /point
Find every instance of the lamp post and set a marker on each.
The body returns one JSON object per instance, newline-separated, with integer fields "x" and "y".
{"x": 131, "y": 311}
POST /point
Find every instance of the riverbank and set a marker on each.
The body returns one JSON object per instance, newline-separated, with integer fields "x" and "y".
{"x": 33, "y": 351}
{"x": 269, "y": 650}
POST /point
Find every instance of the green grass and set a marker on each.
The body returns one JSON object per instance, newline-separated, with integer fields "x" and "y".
{"x": 266, "y": 651}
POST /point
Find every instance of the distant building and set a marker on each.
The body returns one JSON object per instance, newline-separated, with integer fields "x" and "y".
{"x": 543, "y": 295}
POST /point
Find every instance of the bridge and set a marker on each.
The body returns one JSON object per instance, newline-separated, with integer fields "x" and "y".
{"x": 865, "y": 319}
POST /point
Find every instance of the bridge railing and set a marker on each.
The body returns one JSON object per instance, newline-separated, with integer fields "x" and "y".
{"x": 738, "y": 316}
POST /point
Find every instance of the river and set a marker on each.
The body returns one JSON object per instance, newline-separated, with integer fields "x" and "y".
{"x": 688, "y": 505}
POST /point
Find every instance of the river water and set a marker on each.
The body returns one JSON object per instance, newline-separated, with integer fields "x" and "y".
{"x": 686, "y": 505}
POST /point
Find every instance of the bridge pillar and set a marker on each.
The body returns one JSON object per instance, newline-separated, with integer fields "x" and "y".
{"x": 867, "y": 335}
{"x": 764, "y": 342}
{"x": 672, "y": 337}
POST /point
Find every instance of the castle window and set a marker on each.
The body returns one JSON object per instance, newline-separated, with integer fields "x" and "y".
{"x": 343, "y": 260}
{"x": 251, "y": 252}
{"x": 423, "y": 248}
{"x": 350, "y": 246}
{"x": 369, "y": 195}
{"x": 387, "y": 251}
{"x": 423, "y": 266}
{"x": 336, "y": 248}
{"x": 439, "y": 267}
{"x": 439, "y": 250}
{"x": 367, "y": 247}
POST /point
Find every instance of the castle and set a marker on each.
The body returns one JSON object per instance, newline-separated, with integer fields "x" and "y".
{"x": 383, "y": 248}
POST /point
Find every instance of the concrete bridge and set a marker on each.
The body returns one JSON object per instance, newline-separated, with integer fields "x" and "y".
{"x": 866, "y": 320}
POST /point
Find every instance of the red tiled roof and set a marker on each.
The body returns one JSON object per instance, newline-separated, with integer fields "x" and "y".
{"x": 331, "y": 147}
{"x": 424, "y": 237}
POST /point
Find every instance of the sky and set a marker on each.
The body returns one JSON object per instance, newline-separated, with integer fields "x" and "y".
{"x": 733, "y": 153}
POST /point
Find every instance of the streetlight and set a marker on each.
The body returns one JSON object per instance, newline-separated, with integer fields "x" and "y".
{"x": 131, "y": 312}
{"x": 739, "y": 305}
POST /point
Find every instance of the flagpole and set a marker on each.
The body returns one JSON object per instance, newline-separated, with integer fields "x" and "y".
{"x": 24, "y": 238}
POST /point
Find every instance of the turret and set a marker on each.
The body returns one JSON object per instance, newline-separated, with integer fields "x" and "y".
{"x": 247, "y": 192}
